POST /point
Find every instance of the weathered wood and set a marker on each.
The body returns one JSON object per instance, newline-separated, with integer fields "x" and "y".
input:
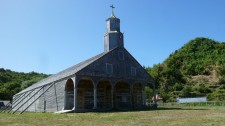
{"x": 27, "y": 100}
{"x": 36, "y": 98}
{"x": 21, "y": 100}
{"x": 56, "y": 98}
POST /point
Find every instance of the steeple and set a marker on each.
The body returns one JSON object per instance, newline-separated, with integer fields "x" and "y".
{"x": 113, "y": 37}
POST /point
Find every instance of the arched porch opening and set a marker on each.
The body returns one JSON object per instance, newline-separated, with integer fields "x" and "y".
{"x": 122, "y": 98}
{"x": 137, "y": 95}
{"x": 69, "y": 95}
{"x": 104, "y": 95}
{"x": 85, "y": 94}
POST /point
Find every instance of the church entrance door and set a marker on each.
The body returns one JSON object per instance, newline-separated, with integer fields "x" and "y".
{"x": 104, "y": 95}
{"x": 122, "y": 99}
{"x": 85, "y": 92}
{"x": 137, "y": 95}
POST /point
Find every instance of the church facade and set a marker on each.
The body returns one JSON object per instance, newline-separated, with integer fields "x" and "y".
{"x": 110, "y": 80}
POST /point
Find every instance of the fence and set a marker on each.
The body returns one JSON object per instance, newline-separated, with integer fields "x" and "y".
{"x": 191, "y": 104}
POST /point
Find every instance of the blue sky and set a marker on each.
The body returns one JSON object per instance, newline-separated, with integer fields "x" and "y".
{"x": 48, "y": 36}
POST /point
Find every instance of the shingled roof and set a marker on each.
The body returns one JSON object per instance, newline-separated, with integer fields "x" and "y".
{"x": 65, "y": 73}
{"x": 73, "y": 70}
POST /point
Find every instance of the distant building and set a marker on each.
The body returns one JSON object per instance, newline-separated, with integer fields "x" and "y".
{"x": 191, "y": 100}
{"x": 3, "y": 103}
{"x": 110, "y": 80}
{"x": 157, "y": 98}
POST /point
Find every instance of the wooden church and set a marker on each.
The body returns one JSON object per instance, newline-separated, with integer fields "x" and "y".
{"x": 110, "y": 80}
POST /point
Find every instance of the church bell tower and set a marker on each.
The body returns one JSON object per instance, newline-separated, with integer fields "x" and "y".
{"x": 113, "y": 37}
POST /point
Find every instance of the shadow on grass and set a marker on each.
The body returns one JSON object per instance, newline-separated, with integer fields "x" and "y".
{"x": 146, "y": 109}
{"x": 178, "y": 108}
{"x": 166, "y": 108}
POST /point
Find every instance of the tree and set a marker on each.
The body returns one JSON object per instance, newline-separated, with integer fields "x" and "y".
{"x": 13, "y": 82}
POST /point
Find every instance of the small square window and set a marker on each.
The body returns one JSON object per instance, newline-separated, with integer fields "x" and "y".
{"x": 109, "y": 68}
{"x": 133, "y": 71}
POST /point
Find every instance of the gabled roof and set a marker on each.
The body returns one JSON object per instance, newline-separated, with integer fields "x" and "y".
{"x": 65, "y": 73}
{"x": 74, "y": 69}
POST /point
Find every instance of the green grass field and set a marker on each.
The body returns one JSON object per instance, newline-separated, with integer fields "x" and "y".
{"x": 184, "y": 116}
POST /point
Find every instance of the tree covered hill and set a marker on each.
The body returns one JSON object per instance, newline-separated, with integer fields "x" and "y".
{"x": 13, "y": 82}
{"x": 196, "y": 69}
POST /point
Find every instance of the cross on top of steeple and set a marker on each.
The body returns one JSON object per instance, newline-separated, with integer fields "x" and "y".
{"x": 112, "y": 6}
{"x": 112, "y": 15}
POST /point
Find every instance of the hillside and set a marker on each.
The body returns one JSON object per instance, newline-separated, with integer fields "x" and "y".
{"x": 12, "y": 82}
{"x": 196, "y": 69}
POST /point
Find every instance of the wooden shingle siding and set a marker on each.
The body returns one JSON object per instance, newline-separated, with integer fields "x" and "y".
{"x": 50, "y": 100}
{"x": 60, "y": 87}
{"x": 32, "y": 107}
{"x": 40, "y": 103}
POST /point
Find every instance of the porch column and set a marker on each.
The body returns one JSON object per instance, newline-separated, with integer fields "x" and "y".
{"x": 144, "y": 96}
{"x": 154, "y": 95}
{"x": 131, "y": 96}
{"x": 95, "y": 97}
{"x": 75, "y": 98}
{"x": 112, "y": 90}
{"x": 75, "y": 93}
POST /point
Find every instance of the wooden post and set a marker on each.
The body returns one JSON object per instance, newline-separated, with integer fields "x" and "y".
{"x": 75, "y": 97}
{"x": 131, "y": 97}
{"x": 95, "y": 97}
{"x": 154, "y": 94}
{"x": 44, "y": 106}
{"x": 143, "y": 96}
{"x": 112, "y": 90}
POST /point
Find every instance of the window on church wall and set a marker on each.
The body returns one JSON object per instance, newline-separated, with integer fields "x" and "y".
{"x": 109, "y": 68}
{"x": 120, "y": 55}
{"x": 116, "y": 69}
{"x": 133, "y": 71}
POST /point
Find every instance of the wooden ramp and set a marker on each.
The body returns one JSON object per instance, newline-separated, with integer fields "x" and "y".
{"x": 64, "y": 111}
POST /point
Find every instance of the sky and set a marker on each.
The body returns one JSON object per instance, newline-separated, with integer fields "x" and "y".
{"x": 48, "y": 36}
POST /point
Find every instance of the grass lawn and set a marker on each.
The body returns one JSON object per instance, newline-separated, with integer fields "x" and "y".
{"x": 184, "y": 116}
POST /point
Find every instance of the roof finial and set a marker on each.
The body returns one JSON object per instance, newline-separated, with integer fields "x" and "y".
{"x": 112, "y": 11}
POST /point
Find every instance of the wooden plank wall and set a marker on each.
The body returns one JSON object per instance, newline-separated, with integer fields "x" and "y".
{"x": 50, "y": 101}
